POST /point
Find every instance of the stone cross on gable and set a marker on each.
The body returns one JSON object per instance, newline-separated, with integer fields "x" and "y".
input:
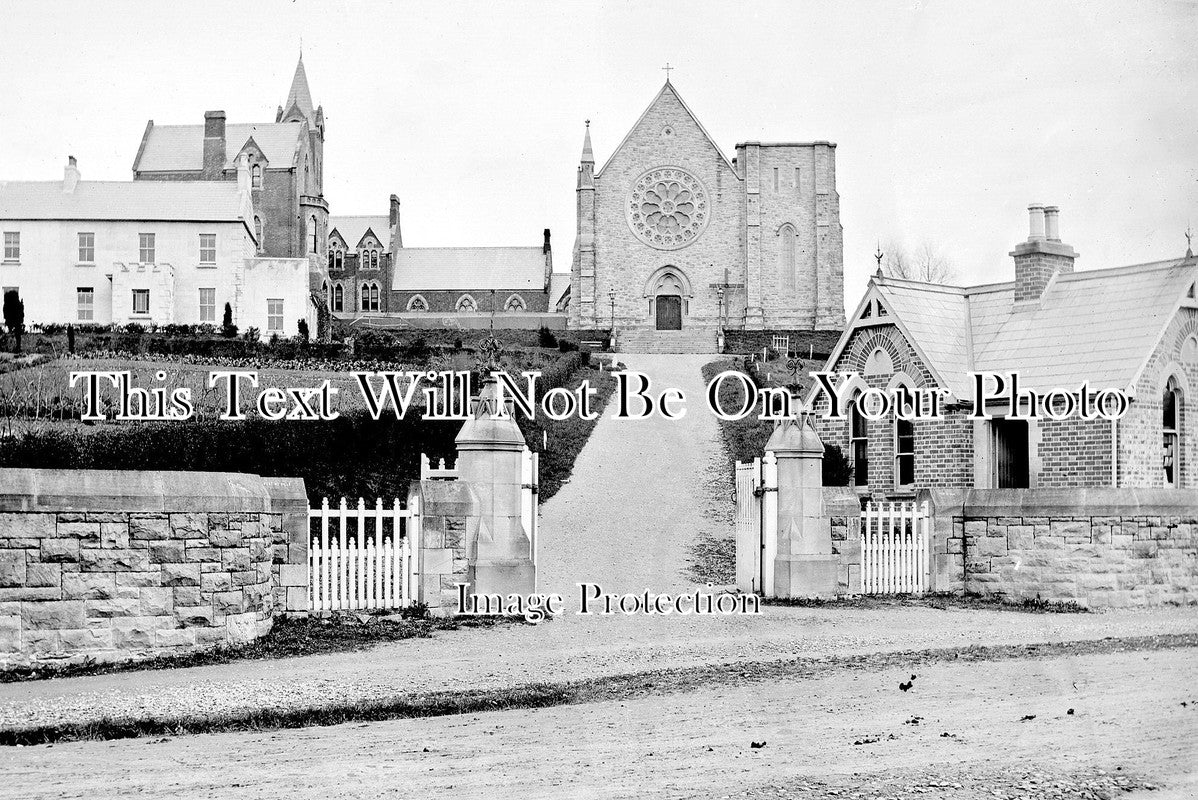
{"x": 667, "y": 69}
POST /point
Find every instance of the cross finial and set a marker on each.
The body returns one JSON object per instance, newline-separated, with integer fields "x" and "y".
{"x": 878, "y": 255}
{"x": 588, "y": 122}
{"x": 667, "y": 69}
{"x": 1189, "y": 241}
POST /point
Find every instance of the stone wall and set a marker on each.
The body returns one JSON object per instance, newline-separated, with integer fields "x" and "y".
{"x": 117, "y": 565}
{"x": 1108, "y": 547}
{"x": 440, "y": 553}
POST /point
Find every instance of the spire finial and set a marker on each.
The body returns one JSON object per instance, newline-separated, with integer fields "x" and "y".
{"x": 878, "y": 255}
{"x": 667, "y": 69}
{"x": 1189, "y": 241}
{"x": 588, "y": 157}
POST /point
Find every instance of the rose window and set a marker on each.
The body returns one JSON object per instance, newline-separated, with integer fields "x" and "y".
{"x": 667, "y": 208}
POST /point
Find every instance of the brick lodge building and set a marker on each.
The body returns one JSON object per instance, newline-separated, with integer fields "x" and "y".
{"x": 1133, "y": 328}
{"x": 675, "y": 241}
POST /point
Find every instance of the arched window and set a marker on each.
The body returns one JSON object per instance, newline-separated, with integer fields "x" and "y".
{"x": 515, "y": 303}
{"x": 374, "y": 259}
{"x": 370, "y": 297}
{"x": 859, "y": 443}
{"x": 331, "y": 265}
{"x": 312, "y": 228}
{"x": 786, "y": 255}
{"x": 256, "y": 176}
{"x": 1171, "y": 422}
{"x": 340, "y": 262}
{"x": 258, "y": 232}
{"x": 338, "y": 297}
{"x": 418, "y": 303}
{"x": 466, "y": 304}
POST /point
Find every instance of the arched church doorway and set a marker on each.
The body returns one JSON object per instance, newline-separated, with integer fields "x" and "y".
{"x": 668, "y": 291}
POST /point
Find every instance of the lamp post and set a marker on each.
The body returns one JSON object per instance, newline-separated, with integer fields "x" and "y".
{"x": 611, "y": 343}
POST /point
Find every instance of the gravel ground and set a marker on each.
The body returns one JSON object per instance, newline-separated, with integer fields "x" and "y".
{"x": 593, "y": 530}
{"x": 990, "y": 729}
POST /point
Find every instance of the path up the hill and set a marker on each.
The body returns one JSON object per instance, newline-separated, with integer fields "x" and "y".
{"x": 641, "y": 493}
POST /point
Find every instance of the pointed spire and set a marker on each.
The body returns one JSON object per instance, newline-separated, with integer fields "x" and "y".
{"x": 587, "y": 156}
{"x": 300, "y": 96}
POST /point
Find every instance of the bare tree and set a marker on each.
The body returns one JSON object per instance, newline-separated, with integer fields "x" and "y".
{"x": 925, "y": 263}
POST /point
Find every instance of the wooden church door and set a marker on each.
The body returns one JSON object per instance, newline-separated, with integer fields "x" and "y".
{"x": 669, "y": 313}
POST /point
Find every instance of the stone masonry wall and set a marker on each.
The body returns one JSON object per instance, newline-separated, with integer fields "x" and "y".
{"x": 1114, "y": 547}
{"x": 113, "y": 565}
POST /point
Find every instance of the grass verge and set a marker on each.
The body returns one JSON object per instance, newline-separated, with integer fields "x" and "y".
{"x": 942, "y": 602}
{"x": 543, "y": 695}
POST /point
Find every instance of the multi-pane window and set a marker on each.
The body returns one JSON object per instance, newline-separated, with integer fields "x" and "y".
{"x": 207, "y": 305}
{"x": 145, "y": 245}
{"x": 87, "y": 248}
{"x": 141, "y": 301}
{"x": 1171, "y": 425}
{"x": 256, "y": 176}
{"x": 370, "y": 297}
{"x": 258, "y": 232}
{"x": 12, "y": 245}
{"x": 904, "y": 452}
{"x": 374, "y": 259}
{"x": 274, "y": 315}
{"x": 86, "y": 302}
{"x": 859, "y": 444}
{"x": 338, "y": 298}
{"x": 312, "y": 226}
{"x": 207, "y": 248}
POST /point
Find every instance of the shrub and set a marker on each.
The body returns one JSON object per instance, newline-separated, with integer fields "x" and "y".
{"x": 135, "y": 329}
{"x": 303, "y": 330}
{"x": 227, "y": 328}
{"x": 566, "y": 346}
{"x": 546, "y": 338}
{"x": 251, "y": 334}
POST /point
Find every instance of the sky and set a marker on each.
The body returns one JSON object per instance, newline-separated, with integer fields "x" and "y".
{"x": 949, "y": 117}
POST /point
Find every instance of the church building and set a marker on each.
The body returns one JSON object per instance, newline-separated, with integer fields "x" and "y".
{"x": 675, "y": 242}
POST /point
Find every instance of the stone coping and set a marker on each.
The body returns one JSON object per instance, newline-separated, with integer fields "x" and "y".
{"x": 1091, "y": 502}
{"x": 64, "y": 490}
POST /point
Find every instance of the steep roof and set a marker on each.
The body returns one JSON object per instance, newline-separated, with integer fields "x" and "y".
{"x": 667, "y": 93}
{"x": 170, "y": 148}
{"x": 353, "y": 228}
{"x": 200, "y": 201}
{"x": 300, "y": 96}
{"x": 559, "y": 284}
{"x": 469, "y": 268}
{"x": 1096, "y": 326}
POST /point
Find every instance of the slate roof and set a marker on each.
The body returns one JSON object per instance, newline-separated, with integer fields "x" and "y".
{"x": 199, "y": 201}
{"x": 352, "y": 229}
{"x": 170, "y": 148}
{"x": 559, "y": 284}
{"x": 1095, "y": 326}
{"x": 300, "y": 95}
{"x": 468, "y": 268}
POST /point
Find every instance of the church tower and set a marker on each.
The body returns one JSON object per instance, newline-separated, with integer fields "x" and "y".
{"x": 314, "y": 211}
{"x": 583, "y": 271}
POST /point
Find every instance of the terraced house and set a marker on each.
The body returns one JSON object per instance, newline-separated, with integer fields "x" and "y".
{"x": 1133, "y": 328}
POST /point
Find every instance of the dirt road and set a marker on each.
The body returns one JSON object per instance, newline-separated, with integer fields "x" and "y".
{"x": 991, "y": 729}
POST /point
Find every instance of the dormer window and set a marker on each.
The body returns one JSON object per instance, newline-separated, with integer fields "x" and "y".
{"x": 256, "y": 176}
{"x": 374, "y": 259}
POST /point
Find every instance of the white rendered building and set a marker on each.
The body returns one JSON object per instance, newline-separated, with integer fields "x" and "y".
{"x": 151, "y": 252}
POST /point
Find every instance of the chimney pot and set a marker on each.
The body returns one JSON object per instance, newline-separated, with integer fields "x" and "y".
{"x": 545, "y": 248}
{"x": 1035, "y": 213}
{"x": 1052, "y": 223}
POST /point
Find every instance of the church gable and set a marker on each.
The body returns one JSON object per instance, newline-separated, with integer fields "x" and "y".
{"x": 667, "y": 127}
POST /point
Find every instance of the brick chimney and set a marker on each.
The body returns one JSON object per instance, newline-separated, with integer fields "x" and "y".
{"x": 70, "y": 176}
{"x": 1042, "y": 255}
{"x": 214, "y": 145}
{"x": 545, "y": 248}
{"x": 393, "y": 224}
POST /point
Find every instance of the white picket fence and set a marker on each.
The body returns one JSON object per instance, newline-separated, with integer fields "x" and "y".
{"x": 894, "y": 548}
{"x": 361, "y": 557}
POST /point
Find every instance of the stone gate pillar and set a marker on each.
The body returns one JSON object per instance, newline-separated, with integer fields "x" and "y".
{"x": 804, "y": 565}
{"x": 498, "y": 553}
